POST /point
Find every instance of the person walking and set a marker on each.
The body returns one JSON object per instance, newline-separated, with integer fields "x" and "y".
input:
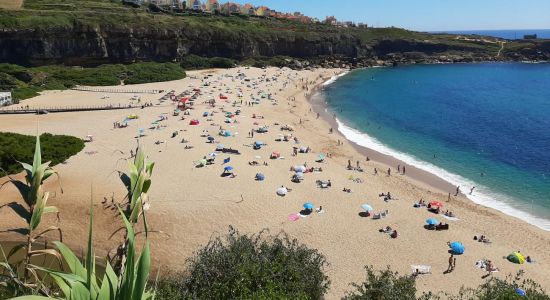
{"x": 451, "y": 266}
{"x": 389, "y": 171}
{"x": 403, "y": 170}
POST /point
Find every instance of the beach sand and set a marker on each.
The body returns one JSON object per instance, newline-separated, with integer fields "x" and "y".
{"x": 190, "y": 205}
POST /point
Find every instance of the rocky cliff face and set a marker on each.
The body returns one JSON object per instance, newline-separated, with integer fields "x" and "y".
{"x": 87, "y": 45}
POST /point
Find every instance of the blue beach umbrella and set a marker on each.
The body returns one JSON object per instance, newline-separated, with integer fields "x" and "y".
{"x": 457, "y": 248}
{"x": 210, "y": 138}
{"x": 258, "y": 143}
{"x": 228, "y": 169}
{"x": 260, "y": 177}
{"x": 308, "y": 205}
{"x": 367, "y": 207}
{"x": 432, "y": 221}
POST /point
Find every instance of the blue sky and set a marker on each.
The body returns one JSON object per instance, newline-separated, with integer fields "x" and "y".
{"x": 427, "y": 15}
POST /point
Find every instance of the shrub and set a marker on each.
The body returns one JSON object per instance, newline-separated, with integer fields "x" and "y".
{"x": 384, "y": 285}
{"x": 16, "y": 147}
{"x": 254, "y": 266}
{"x": 505, "y": 289}
{"x": 195, "y": 62}
{"x": 153, "y": 72}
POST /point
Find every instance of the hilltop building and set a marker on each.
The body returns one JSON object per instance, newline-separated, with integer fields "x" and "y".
{"x": 212, "y": 6}
{"x": 193, "y": 4}
{"x": 5, "y": 98}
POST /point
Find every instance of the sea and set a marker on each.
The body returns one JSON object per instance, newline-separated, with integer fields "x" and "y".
{"x": 509, "y": 34}
{"x": 484, "y": 125}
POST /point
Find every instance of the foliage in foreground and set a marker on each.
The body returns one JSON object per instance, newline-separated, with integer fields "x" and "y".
{"x": 27, "y": 82}
{"x": 17, "y": 147}
{"x": 251, "y": 267}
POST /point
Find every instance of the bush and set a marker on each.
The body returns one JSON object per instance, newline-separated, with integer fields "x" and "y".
{"x": 17, "y": 147}
{"x": 153, "y": 72}
{"x": 253, "y": 266}
{"x": 195, "y": 62}
{"x": 505, "y": 289}
{"x": 384, "y": 285}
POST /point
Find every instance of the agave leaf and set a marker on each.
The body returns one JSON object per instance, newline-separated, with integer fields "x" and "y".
{"x": 90, "y": 255}
{"x": 150, "y": 166}
{"x": 113, "y": 279}
{"x": 108, "y": 284}
{"x": 142, "y": 273}
{"x": 38, "y": 211}
{"x": 50, "y": 209}
{"x": 70, "y": 278}
{"x": 21, "y": 211}
{"x": 37, "y": 154}
{"x": 65, "y": 288}
{"x": 80, "y": 292}
{"x": 31, "y": 297}
{"x": 146, "y": 185}
{"x": 128, "y": 276}
{"x": 72, "y": 261}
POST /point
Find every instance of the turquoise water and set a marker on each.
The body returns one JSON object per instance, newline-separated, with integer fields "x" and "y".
{"x": 510, "y": 34}
{"x": 482, "y": 125}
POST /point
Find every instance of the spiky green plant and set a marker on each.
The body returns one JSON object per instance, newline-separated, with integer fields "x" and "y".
{"x": 36, "y": 199}
{"x": 81, "y": 283}
{"x": 137, "y": 182}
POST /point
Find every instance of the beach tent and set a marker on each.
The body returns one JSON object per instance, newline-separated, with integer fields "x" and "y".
{"x": 436, "y": 204}
{"x": 457, "y": 248}
{"x": 516, "y": 258}
{"x": 308, "y": 205}
{"x": 213, "y": 154}
{"x": 260, "y": 176}
{"x": 366, "y": 207}
{"x": 432, "y": 221}
{"x": 194, "y": 122}
{"x": 282, "y": 191}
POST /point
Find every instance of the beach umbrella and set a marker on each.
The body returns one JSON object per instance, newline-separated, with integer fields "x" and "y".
{"x": 219, "y": 147}
{"x": 299, "y": 175}
{"x": 210, "y": 138}
{"x": 258, "y": 143}
{"x": 282, "y": 191}
{"x": 227, "y": 133}
{"x": 367, "y": 207}
{"x": 228, "y": 169}
{"x": 436, "y": 203}
{"x": 308, "y": 205}
{"x": 299, "y": 169}
{"x": 201, "y": 163}
{"x": 516, "y": 258}
{"x": 321, "y": 156}
{"x": 213, "y": 154}
{"x": 457, "y": 248}
{"x": 260, "y": 176}
{"x": 227, "y": 120}
{"x": 432, "y": 221}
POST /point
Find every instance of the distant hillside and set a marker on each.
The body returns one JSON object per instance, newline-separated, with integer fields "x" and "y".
{"x": 86, "y": 32}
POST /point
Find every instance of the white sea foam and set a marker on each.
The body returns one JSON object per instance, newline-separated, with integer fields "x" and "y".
{"x": 482, "y": 195}
{"x": 334, "y": 78}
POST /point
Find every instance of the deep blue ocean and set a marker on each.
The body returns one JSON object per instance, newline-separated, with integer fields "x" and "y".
{"x": 488, "y": 126}
{"x": 510, "y": 34}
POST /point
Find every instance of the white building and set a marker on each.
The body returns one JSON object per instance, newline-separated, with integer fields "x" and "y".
{"x": 5, "y": 98}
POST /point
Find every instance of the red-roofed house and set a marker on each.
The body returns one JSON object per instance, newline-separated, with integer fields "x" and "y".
{"x": 248, "y": 9}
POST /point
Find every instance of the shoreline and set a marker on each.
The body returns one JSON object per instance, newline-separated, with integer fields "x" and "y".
{"x": 420, "y": 174}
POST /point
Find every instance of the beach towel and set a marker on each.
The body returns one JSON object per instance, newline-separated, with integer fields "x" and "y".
{"x": 450, "y": 218}
{"x": 293, "y": 217}
{"x": 422, "y": 269}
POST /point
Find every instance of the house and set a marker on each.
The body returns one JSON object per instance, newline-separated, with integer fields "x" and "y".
{"x": 331, "y": 20}
{"x": 194, "y": 4}
{"x": 5, "y": 98}
{"x": 230, "y": 8}
{"x": 212, "y": 6}
{"x": 263, "y": 11}
{"x": 248, "y": 9}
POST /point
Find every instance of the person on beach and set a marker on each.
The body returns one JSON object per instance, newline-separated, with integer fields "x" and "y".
{"x": 389, "y": 171}
{"x": 368, "y": 159}
{"x": 375, "y": 171}
{"x": 330, "y": 130}
{"x": 472, "y": 190}
{"x": 317, "y": 115}
{"x": 457, "y": 190}
{"x": 450, "y": 268}
{"x": 398, "y": 168}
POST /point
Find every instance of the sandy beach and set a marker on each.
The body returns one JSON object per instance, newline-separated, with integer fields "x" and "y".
{"x": 190, "y": 205}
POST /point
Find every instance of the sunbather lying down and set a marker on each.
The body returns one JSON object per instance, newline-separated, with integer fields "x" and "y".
{"x": 253, "y": 163}
{"x": 421, "y": 270}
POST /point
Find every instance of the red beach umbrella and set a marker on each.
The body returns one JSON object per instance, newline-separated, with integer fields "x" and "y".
{"x": 436, "y": 203}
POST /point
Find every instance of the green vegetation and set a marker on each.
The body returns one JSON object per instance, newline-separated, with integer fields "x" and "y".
{"x": 251, "y": 267}
{"x": 27, "y": 82}
{"x": 15, "y": 148}
{"x": 195, "y": 62}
